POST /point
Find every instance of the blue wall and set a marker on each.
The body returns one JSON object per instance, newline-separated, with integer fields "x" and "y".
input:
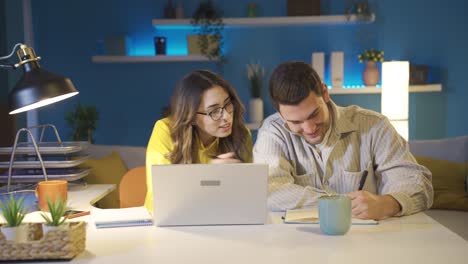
{"x": 129, "y": 96}
{"x": 3, "y": 52}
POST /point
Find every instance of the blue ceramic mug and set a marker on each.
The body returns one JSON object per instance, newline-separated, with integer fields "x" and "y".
{"x": 334, "y": 214}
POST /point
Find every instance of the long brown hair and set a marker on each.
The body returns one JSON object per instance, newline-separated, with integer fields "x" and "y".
{"x": 184, "y": 104}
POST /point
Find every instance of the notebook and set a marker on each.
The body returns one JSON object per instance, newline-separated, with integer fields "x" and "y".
{"x": 122, "y": 217}
{"x": 210, "y": 194}
{"x": 310, "y": 216}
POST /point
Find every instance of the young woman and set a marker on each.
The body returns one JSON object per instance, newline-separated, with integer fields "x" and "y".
{"x": 205, "y": 125}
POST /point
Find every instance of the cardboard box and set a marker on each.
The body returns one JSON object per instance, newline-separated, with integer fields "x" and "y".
{"x": 418, "y": 74}
{"x": 303, "y": 7}
{"x": 117, "y": 45}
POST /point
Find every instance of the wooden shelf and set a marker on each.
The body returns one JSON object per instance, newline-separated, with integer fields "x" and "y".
{"x": 147, "y": 59}
{"x": 376, "y": 90}
{"x": 268, "y": 21}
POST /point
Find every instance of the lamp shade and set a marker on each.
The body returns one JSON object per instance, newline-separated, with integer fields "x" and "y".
{"x": 395, "y": 84}
{"x": 37, "y": 87}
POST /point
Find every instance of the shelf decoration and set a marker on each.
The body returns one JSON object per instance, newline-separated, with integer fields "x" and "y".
{"x": 255, "y": 74}
{"x": 208, "y": 25}
{"x": 371, "y": 74}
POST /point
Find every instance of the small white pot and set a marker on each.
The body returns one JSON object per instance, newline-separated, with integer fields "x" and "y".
{"x": 17, "y": 233}
{"x": 256, "y": 110}
{"x": 46, "y": 228}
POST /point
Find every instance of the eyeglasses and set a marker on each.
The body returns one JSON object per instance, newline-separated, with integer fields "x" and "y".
{"x": 217, "y": 113}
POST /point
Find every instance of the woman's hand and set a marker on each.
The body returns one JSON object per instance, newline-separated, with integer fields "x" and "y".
{"x": 229, "y": 157}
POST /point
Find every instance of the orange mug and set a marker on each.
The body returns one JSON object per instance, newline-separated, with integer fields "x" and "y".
{"x": 51, "y": 190}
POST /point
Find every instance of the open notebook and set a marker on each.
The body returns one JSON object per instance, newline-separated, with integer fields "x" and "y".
{"x": 310, "y": 216}
{"x": 133, "y": 216}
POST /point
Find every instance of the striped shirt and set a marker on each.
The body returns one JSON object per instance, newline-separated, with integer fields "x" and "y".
{"x": 359, "y": 140}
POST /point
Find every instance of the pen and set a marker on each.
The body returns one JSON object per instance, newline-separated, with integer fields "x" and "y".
{"x": 363, "y": 180}
{"x": 75, "y": 215}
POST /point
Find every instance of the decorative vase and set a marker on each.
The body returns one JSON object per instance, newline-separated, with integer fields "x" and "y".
{"x": 16, "y": 233}
{"x": 256, "y": 110}
{"x": 371, "y": 74}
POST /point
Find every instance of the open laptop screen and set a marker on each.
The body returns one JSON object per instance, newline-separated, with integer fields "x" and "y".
{"x": 209, "y": 194}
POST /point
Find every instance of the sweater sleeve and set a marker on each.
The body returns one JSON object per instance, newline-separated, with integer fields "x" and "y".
{"x": 283, "y": 191}
{"x": 402, "y": 177}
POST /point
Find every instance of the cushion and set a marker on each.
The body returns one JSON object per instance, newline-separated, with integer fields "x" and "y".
{"x": 448, "y": 180}
{"x": 107, "y": 170}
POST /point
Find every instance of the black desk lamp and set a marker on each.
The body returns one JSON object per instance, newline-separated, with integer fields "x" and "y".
{"x": 36, "y": 88}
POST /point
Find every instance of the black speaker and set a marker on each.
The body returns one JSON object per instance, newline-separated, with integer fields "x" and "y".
{"x": 160, "y": 45}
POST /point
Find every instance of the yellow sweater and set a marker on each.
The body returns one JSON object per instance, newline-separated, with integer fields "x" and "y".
{"x": 160, "y": 144}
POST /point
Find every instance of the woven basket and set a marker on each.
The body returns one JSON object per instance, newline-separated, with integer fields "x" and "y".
{"x": 65, "y": 242}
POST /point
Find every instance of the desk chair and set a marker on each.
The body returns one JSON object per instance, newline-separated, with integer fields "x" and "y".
{"x": 132, "y": 188}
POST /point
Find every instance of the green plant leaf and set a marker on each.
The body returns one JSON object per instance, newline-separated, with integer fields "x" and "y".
{"x": 13, "y": 210}
{"x": 207, "y": 21}
{"x": 83, "y": 122}
{"x": 57, "y": 210}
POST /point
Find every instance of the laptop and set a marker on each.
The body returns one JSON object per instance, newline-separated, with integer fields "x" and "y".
{"x": 210, "y": 194}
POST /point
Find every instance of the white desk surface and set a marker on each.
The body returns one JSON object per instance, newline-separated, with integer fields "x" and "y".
{"x": 83, "y": 197}
{"x": 412, "y": 239}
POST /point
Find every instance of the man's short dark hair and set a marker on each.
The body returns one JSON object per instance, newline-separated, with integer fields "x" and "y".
{"x": 292, "y": 82}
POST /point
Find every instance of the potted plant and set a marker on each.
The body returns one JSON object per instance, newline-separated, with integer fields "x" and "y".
{"x": 83, "y": 122}
{"x": 208, "y": 26}
{"x": 255, "y": 74}
{"x": 13, "y": 212}
{"x": 56, "y": 216}
{"x": 371, "y": 74}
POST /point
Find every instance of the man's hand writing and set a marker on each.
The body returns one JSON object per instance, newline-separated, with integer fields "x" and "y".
{"x": 366, "y": 205}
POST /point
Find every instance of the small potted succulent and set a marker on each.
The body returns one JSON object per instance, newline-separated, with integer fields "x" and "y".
{"x": 371, "y": 74}
{"x": 56, "y": 216}
{"x": 13, "y": 212}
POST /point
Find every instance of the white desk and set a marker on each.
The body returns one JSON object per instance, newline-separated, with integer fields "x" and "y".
{"x": 82, "y": 198}
{"x": 412, "y": 239}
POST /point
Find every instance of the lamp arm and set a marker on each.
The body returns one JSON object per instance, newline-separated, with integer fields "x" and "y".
{"x": 26, "y": 54}
{"x": 12, "y": 158}
{"x": 9, "y": 66}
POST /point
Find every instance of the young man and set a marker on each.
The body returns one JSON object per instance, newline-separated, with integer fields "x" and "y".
{"x": 314, "y": 147}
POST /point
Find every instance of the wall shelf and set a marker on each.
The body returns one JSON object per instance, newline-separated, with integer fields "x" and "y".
{"x": 268, "y": 21}
{"x": 377, "y": 90}
{"x": 368, "y": 90}
{"x": 149, "y": 59}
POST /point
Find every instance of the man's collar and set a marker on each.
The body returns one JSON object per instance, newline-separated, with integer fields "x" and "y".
{"x": 341, "y": 123}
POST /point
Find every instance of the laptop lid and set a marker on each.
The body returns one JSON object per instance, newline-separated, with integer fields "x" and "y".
{"x": 210, "y": 194}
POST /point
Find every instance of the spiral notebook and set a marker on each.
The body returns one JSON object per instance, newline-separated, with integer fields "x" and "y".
{"x": 122, "y": 217}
